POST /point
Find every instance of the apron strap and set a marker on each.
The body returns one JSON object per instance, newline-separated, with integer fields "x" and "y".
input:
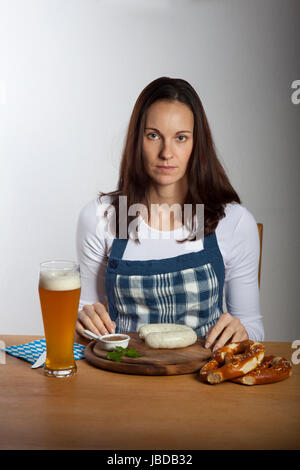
{"x": 210, "y": 241}
{"x": 118, "y": 247}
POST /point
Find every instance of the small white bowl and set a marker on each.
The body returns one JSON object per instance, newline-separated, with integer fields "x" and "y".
{"x": 111, "y": 345}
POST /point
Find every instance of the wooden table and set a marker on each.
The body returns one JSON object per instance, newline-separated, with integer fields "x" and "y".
{"x": 98, "y": 409}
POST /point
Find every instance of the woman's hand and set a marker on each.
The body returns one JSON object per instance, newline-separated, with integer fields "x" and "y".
{"x": 95, "y": 318}
{"x": 227, "y": 328}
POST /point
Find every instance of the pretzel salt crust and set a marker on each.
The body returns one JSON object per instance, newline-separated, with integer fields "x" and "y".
{"x": 233, "y": 360}
{"x": 272, "y": 369}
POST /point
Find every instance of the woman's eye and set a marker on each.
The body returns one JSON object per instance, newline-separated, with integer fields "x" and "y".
{"x": 154, "y": 136}
{"x": 151, "y": 134}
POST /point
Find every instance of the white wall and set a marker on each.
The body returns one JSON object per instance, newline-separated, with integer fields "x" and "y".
{"x": 70, "y": 72}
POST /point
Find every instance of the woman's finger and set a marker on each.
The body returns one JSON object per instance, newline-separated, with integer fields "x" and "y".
{"x": 240, "y": 335}
{"x": 208, "y": 332}
{"x": 95, "y": 313}
{"x": 80, "y": 330}
{"x": 217, "y": 329}
{"x": 226, "y": 335}
{"x": 105, "y": 318}
{"x": 91, "y": 321}
{"x": 233, "y": 332}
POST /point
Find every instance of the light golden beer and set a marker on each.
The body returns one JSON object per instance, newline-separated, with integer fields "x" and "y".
{"x": 59, "y": 291}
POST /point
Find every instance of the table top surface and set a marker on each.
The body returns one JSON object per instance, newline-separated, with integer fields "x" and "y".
{"x": 99, "y": 409}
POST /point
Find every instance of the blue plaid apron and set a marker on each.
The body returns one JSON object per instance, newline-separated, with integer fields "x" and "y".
{"x": 186, "y": 289}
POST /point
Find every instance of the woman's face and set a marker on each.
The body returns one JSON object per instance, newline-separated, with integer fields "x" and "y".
{"x": 168, "y": 141}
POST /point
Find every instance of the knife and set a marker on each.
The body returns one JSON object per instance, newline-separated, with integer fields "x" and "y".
{"x": 40, "y": 360}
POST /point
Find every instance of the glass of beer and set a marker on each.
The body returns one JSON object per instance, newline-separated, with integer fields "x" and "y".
{"x": 59, "y": 291}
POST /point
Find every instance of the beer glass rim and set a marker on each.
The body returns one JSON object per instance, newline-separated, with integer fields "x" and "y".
{"x": 59, "y": 264}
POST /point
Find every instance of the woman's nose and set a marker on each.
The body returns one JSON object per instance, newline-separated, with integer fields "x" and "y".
{"x": 166, "y": 151}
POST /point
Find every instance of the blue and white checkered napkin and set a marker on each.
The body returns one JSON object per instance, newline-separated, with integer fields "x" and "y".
{"x": 32, "y": 351}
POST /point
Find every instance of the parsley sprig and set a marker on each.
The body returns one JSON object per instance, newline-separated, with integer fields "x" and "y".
{"x": 119, "y": 352}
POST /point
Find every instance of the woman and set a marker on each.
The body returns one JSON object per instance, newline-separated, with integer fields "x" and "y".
{"x": 167, "y": 273}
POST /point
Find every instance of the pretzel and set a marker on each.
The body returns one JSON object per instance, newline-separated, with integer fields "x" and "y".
{"x": 272, "y": 369}
{"x": 232, "y": 361}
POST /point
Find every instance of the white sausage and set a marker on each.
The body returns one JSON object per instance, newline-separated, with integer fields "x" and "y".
{"x": 160, "y": 328}
{"x": 167, "y": 335}
{"x": 171, "y": 339}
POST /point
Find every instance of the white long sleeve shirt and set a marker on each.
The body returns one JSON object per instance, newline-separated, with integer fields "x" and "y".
{"x": 238, "y": 241}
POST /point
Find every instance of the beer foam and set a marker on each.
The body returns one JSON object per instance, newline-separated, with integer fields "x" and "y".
{"x": 59, "y": 280}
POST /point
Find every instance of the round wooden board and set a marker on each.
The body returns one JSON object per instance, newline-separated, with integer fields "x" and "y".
{"x": 153, "y": 361}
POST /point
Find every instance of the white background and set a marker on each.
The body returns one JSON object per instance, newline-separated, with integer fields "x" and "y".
{"x": 70, "y": 73}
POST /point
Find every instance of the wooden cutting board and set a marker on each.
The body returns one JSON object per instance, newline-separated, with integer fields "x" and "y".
{"x": 153, "y": 361}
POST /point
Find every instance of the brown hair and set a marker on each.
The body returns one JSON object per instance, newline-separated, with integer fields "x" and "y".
{"x": 208, "y": 183}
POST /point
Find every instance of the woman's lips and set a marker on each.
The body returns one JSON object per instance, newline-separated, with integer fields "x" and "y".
{"x": 165, "y": 168}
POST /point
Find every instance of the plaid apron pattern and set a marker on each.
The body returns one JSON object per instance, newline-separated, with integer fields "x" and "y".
{"x": 188, "y": 297}
{"x": 186, "y": 289}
